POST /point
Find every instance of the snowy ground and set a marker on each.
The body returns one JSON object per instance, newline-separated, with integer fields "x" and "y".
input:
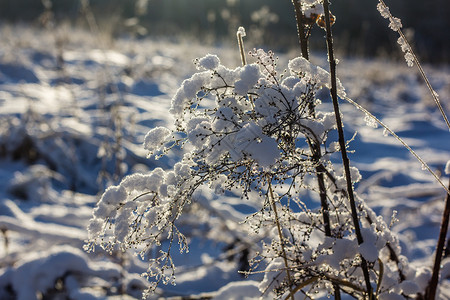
{"x": 73, "y": 114}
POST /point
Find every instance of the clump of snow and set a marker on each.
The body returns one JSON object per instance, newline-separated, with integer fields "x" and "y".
{"x": 447, "y": 168}
{"x": 239, "y": 290}
{"x": 251, "y": 140}
{"x": 368, "y": 248}
{"x": 390, "y": 296}
{"x": 314, "y": 8}
{"x": 342, "y": 249}
{"x": 409, "y": 287}
{"x": 38, "y": 272}
{"x": 422, "y": 277}
{"x": 209, "y": 62}
{"x": 273, "y": 275}
{"x": 355, "y": 174}
{"x": 299, "y": 64}
{"x": 188, "y": 90}
{"x": 249, "y": 76}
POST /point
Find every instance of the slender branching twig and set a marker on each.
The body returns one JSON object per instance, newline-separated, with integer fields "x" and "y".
{"x": 280, "y": 235}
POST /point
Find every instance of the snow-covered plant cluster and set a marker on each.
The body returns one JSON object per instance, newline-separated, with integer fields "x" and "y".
{"x": 254, "y": 132}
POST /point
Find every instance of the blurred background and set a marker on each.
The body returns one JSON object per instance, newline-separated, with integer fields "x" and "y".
{"x": 359, "y": 30}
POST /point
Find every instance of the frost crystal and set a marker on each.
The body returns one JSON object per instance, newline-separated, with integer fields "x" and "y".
{"x": 370, "y": 121}
{"x": 394, "y": 23}
{"x": 241, "y": 31}
{"x": 409, "y": 57}
{"x": 403, "y": 44}
{"x": 384, "y": 10}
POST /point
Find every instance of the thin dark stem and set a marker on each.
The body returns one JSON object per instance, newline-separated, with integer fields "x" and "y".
{"x": 323, "y": 200}
{"x": 345, "y": 160}
{"x": 326, "y": 215}
{"x": 315, "y": 147}
{"x": 303, "y": 39}
{"x": 430, "y": 292}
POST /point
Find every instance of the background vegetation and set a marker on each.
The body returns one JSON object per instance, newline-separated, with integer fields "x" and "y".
{"x": 358, "y": 32}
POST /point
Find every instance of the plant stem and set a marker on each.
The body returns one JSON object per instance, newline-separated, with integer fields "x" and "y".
{"x": 320, "y": 171}
{"x": 241, "y": 48}
{"x": 345, "y": 160}
{"x": 301, "y": 28}
{"x": 421, "y": 71}
{"x": 430, "y": 292}
{"x": 315, "y": 147}
{"x": 280, "y": 235}
{"x": 391, "y": 132}
{"x": 326, "y": 215}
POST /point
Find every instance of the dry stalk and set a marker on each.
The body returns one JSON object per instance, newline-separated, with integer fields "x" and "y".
{"x": 281, "y": 237}
{"x": 241, "y": 47}
{"x": 301, "y": 28}
{"x": 421, "y": 71}
{"x": 342, "y": 144}
{"x": 430, "y": 292}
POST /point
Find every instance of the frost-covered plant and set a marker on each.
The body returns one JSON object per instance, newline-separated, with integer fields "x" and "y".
{"x": 396, "y": 25}
{"x": 253, "y": 131}
{"x": 257, "y": 133}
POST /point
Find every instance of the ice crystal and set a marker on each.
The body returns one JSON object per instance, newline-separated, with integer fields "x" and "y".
{"x": 241, "y": 31}
{"x": 384, "y": 10}
{"x": 394, "y": 23}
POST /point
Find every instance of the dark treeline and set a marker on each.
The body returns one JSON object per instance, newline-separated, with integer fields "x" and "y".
{"x": 359, "y": 29}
